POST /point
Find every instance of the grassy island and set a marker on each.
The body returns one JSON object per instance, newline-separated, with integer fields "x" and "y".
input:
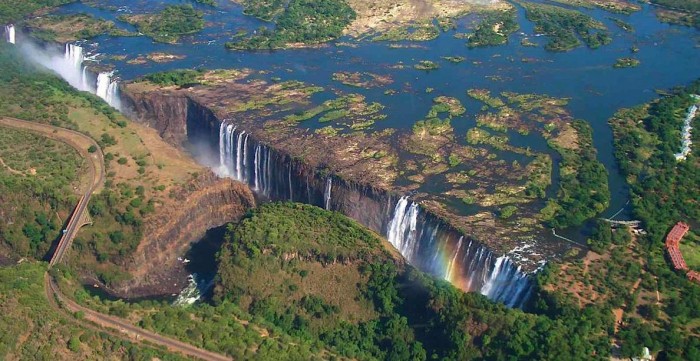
{"x": 626, "y": 63}
{"x": 301, "y": 22}
{"x": 494, "y": 29}
{"x": 426, "y": 65}
{"x": 67, "y": 28}
{"x": 565, "y": 28}
{"x": 615, "y": 6}
{"x": 14, "y": 11}
{"x": 168, "y": 25}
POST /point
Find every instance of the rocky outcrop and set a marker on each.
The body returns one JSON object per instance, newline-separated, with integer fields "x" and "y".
{"x": 204, "y": 203}
{"x": 165, "y": 112}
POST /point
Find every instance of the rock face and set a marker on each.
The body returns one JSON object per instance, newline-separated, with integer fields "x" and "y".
{"x": 424, "y": 238}
{"x": 161, "y": 111}
{"x": 204, "y": 203}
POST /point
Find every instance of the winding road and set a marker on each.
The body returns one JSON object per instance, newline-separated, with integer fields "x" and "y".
{"x": 80, "y": 217}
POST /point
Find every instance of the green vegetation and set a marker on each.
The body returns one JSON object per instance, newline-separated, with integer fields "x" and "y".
{"x": 168, "y": 25}
{"x": 626, "y": 63}
{"x": 583, "y": 188}
{"x": 45, "y": 199}
{"x": 404, "y": 314}
{"x": 484, "y": 96}
{"x": 416, "y": 32}
{"x": 494, "y": 29}
{"x": 565, "y": 27}
{"x": 454, "y": 59}
{"x": 66, "y": 28}
{"x": 662, "y": 192}
{"x": 175, "y": 77}
{"x": 303, "y": 21}
{"x": 263, "y": 9}
{"x": 662, "y": 189}
{"x": 299, "y": 282}
{"x": 352, "y": 109}
{"x": 615, "y": 6}
{"x": 36, "y": 179}
{"x": 683, "y": 12}
{"x": 426, "y": 65}
{"x": 658, "y": 307}
{"x": 623, "y": 25}
{"x": 31, "y": 329}
{"x": 14, "y": 11}
{"x": 207, "y": 2}
{"x": 685, "y": 5}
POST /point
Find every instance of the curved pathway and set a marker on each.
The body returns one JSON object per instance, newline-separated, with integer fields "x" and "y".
{"x": 96, "y": 172}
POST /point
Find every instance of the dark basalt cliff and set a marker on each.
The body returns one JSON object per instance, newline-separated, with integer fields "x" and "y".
{"x": 287, "y": 167}
{"x": 204, "y": 203}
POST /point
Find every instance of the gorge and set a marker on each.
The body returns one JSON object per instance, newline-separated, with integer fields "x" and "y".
{"x": 425, "y": 240}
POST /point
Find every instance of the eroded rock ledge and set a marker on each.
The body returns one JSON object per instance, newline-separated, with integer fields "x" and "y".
{"x": 204, "y": 203}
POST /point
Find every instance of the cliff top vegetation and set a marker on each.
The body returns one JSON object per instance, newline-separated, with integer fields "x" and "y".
{"x": 296, "y": 281}
{"x": 169, "y": 24}
{"x": 142, "y": 172}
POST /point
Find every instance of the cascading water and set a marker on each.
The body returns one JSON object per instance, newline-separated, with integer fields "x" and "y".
{"x": 422, "y": 240}
{"x": 246, "y": 161}
{"x": 107, "y": 88}
{"x": 10, "y": 33}
{"x": 74, "y": 54}
{"x": 472, "y": 268}
{"x": 327, "y": 193}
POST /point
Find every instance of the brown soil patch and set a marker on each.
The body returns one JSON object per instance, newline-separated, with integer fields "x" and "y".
{"x": 382, "y": 15}
{"x": 618, "y": 312}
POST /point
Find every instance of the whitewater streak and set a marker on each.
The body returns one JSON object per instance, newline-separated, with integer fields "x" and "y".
{"x": 10, "y": 33}
{"x": 473, "y": 268}
{"x": 72, "y": 67}
{"x": 424, "y": 241}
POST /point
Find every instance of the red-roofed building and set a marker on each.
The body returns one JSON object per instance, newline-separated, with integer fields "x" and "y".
{"x": 673, "y": 239}
{"x": 693, "y": 276}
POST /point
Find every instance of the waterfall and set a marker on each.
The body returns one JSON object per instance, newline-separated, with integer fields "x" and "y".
{"x": 240, "y": 159}
{"x": 289, "y": 180}
{"x": 506, "y": 283}
{"x": 327, "y": 193}
{"x": 74, "y": 54}
{"x": 472, "y": 268}
{"x": 450, "y": 266}
{"x": 84, "y": 78}
{"x": 10, "y": 33}
{"x": 423, "y": 240}
{"x": 403, "y": 231}
{"x": 107, "y": 88}
{"x": 256, "y": 165}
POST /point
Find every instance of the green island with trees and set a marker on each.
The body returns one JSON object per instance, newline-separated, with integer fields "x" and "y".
{"x": 494, "y": 29}
{"x": 566, "y": 28}
{"x": 14, "y": 11}
{"x": 626, "y": 63}
{"x": 301, "y": 22}
{"x": 683, "y": 12}
{"x": 169, "y": 24}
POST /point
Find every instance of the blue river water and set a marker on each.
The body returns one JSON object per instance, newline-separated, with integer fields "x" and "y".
{"x": 668, "y": 55}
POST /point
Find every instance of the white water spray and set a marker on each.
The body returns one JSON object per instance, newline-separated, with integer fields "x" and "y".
{"x": 496, "y": 277}
{"x": 10, "y": 33}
